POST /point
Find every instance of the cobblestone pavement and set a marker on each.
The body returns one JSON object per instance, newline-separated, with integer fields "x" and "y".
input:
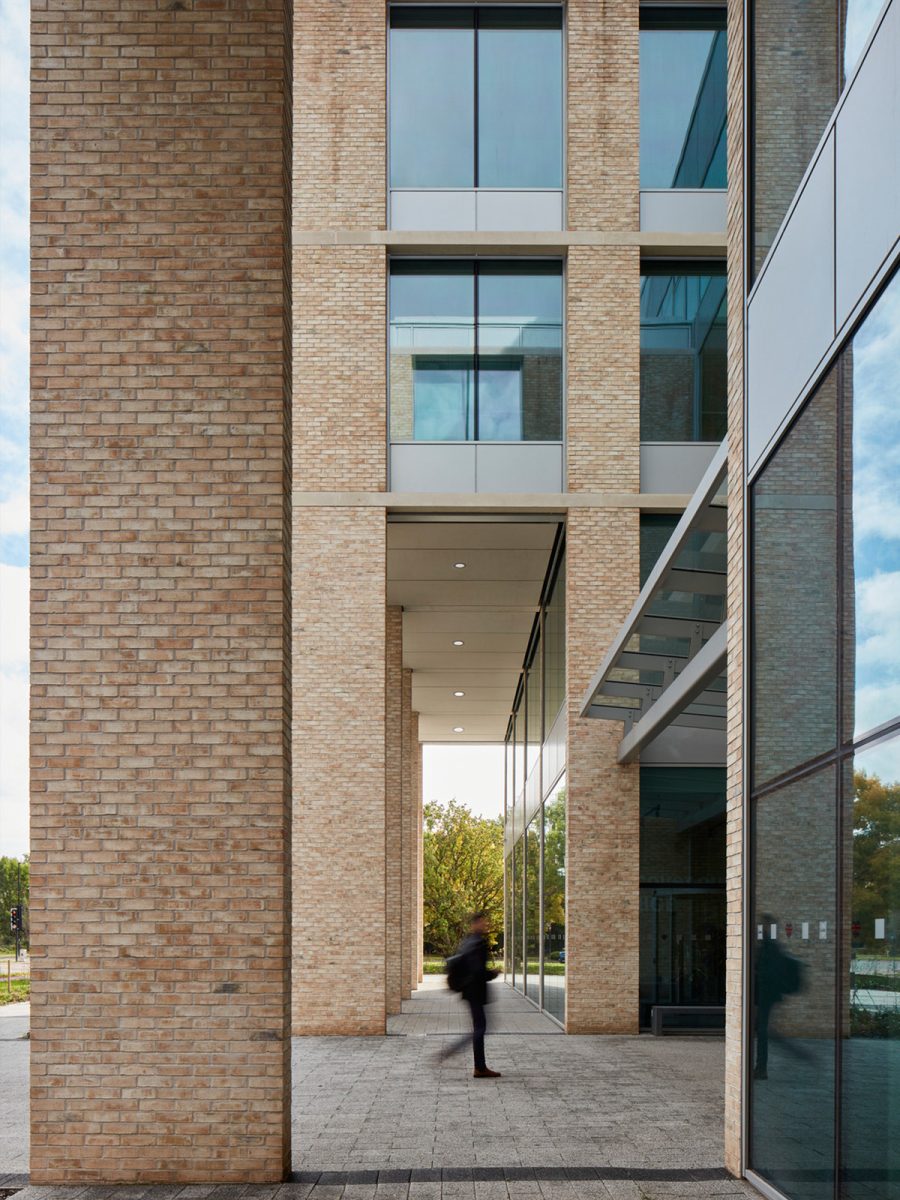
{"x": 572, "y": 1118}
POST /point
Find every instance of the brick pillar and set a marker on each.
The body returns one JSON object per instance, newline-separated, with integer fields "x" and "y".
{"x": 414, "y": 855}
{"x": 406, "y": 849}
{"x": 602, "y": 553}
{"x": 339, "y": 784}
{"x": 734, "y": 855}
{"x": 160, "y": 603}
{"x": 393, "y": 744}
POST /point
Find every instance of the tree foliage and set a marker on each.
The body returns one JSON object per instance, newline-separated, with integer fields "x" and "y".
{"x": 9, "y": 895}
{"x": 876, "y": 855}
{"x": 463, "y": 873}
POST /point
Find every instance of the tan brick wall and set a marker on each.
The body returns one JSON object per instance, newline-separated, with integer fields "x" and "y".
{"x": 340, "y": 122}
{"x": 339, "y": 368}
{"x": 603, "y": 122}
{"x": 603, "y": 428}
{"x": 160, "y": 963}
{"x": 603, "y": 814}
{"x": 339, "y": 778}
{"x": 735, "y": 735}
{"x": 393, "y": 805}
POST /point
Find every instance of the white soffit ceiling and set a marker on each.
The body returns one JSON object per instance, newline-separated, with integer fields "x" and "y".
{"x": 489, "y": 605}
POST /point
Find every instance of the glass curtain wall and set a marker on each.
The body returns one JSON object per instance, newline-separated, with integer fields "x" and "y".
{"x": 475, "y": 350}
{"x": 538, "y": 836}
{"x": 792, "y": 97}
{"x": 825, "y": 779}
{"x": 683, "y": 86}
{"x": 684, "y": 379}
{"x": 476, "y": 97}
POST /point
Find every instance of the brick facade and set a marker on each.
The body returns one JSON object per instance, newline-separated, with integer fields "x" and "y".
{"x": 160, "y": 387}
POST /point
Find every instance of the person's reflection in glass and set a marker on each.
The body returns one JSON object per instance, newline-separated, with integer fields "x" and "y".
{"x": 778, "y": 975}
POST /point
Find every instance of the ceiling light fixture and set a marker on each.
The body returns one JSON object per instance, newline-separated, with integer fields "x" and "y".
{"x": 459, "y": 566}
{"x": 458, "y": 643}
{"x": 459, "y": 693}
{"x": 458, "y": 729}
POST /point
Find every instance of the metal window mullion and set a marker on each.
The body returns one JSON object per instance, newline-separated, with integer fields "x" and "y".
{"x": 476, "y": 364}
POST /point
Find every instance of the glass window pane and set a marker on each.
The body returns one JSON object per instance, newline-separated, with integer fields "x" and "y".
{"x": 683, "y": 105}
{"x": 533, "y": 910}
{"x": 684, "y": 378}
{"x": 519, "y": 102}
{"x": 859, "y": 21}
{"x": 793, "y": 668}
{"x": 432, "y": 101}
{"x": 870, "y": 1075}
{"x": 518, "y": 873}
{"x": 795, "y": 942}
{"x": 534, "y": 712}
{"x": 519, "y": 352}
{"x": 555, "y": 650}
{"x": 432, "y": 352}
{"x": 554, "y": 918}
{"x": 872, "y": 518}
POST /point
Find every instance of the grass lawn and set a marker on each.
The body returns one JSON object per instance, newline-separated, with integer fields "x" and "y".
{"x": 21, "y": 990}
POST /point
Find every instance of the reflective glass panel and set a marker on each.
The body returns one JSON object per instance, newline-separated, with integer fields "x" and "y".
{"x": 555, "y": 902}
{"x": 432, "y": 98}
{"x": 518, "y": 878}
{"x": 683, "y": 355}
{"x": 870, "y": 1070}
{"x": 859, "y": 21}
{"x": 534, "y": 709}
{"x": 519, "y": 352}
{"x": 432, "y": 351}
{"x": 555, "y": 650}
{"x": 794, "y": 667}
{"x": 795, "y": 944}
{"x": 520, "y": 98}
{"x": 871, "y": 369}
{"x": 683, "y": 99}
{"x": 533, "y": 910}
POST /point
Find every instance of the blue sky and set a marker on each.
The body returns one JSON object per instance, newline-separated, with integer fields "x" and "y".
{"x": 14, "y": 426}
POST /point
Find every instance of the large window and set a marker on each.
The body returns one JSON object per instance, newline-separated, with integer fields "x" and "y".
{"x": 476, "y": 97}
{"x": 475, "y": 350}
{"x": 825, "y": 778}
{"x": 683, "y": 97}
{"x": 684, "y": 379}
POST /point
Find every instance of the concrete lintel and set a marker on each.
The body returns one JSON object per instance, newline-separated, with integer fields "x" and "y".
{"x": 491, "y": 501}
{"x": 542, "y": 242}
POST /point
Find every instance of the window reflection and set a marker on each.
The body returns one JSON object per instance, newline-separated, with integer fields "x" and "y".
{"x": 684, "y": 381}
{"x": 533, "y": 910}
{"x": 458, "y": 376}
{"x": 554, "y": 917}
{"x": 683, "y": 85}
{"x": 445, "y": 61}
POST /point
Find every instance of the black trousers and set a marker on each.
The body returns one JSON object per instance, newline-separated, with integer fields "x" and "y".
{"x": 479, "y": 1028}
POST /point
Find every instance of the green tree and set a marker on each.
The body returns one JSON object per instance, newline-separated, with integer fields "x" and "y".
{"x": 9, "y": 893}
{"x": 876, "y": 855}
{"x": 463, "y": 873}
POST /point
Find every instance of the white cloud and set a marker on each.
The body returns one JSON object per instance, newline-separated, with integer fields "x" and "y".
{"x": 15, "y": 512}
{"x": 13, "y": 710}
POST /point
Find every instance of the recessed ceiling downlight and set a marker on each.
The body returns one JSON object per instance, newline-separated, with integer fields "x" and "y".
{"x": 459, "y": 694}
{"x": 459, "y": 566}
{"x": 458, "y": 729}
{"x": 458, "y": 642}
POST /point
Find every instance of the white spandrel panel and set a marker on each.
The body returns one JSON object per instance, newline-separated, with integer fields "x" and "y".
{"x": 433, "y": 467}
{"x": 519, "y": 212}
{"x": 867, "y": 172}
{"x": 527, "y": 467}
{"x": 423, "y": 210}
{"x": 675, "y": 467}
{"x": 791, "y": 314}
{"x": 684, "y": 210}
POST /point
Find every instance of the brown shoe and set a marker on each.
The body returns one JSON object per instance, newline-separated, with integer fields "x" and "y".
{"x": 484, "y": 1073}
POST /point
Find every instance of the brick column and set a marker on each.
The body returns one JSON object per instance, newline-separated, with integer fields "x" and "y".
{"x": 160, "y": 602}
{"x": 602, "y": 553}
{"x": 393, "y": 778}
{"x": 734, "y": 864}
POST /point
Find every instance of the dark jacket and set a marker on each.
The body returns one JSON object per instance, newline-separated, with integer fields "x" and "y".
{"x": 474, "y": 949}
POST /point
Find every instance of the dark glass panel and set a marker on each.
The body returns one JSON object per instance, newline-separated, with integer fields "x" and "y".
{"x": 555, "y": 650}
{"x": 684, "y": 380}
{"x": 534, "y": 713}
{"x": 794, "y": 940}
{"x": 518, "y": 878}
{"x": 533, "y": 910}
{"x": 870, "y": 993}
{"x": 432, "y": 107}
{"x": 871, "y": 368}
{"x": 683, "y": 825}
{"x": 519, "y": 103}
{"x": 683, "y": 85}
{"x": 794, "y": 669}
{"x": 555, "y": 902}
{"x": 656, "y": 529}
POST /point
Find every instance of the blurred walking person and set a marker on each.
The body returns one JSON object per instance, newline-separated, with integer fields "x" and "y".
{"x": 468, "y": 974}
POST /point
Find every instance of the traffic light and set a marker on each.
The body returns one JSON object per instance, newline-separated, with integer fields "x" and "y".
{"x": 15, "y": 918}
